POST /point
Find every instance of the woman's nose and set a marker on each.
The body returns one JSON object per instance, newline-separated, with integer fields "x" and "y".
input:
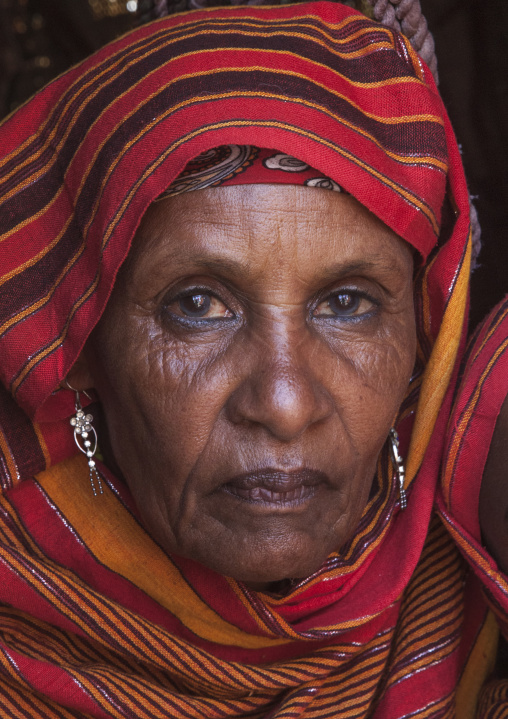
{"x": 282, "y": 392}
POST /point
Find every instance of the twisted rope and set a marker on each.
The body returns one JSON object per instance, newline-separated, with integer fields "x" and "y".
{"x": 406, "y": 17}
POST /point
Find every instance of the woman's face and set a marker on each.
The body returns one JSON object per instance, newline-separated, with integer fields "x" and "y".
{"x": 251, "y": 360}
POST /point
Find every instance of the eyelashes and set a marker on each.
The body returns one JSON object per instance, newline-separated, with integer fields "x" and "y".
{"x": 196, "y": 308}
{"x": 201, "y": 306}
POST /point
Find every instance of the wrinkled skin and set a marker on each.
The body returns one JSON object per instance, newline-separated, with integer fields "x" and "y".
{"x": 250, "y": 362}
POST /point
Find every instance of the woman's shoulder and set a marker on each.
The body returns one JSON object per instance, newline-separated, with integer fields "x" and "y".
{"x": 473, "y": 498}
{"x": 485, "y": 381}
{"x": 493, "y": 505}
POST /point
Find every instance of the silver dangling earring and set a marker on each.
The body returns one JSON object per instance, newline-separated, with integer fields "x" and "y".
{"x": 398, "y": 466}
{"x": 85, "y": 433}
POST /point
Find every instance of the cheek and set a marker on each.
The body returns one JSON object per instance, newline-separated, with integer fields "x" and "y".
{"x": 161, "y": 400}
{"x": 371, "y": 381}
{"x": 372, "y": 374}
{"x": 384, "y": 368}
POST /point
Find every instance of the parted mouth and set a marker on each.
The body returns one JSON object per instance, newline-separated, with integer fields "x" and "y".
{"x": 273, "y": 486}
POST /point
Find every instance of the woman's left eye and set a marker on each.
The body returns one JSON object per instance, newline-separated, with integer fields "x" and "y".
{"x": 199, "y": 305}
{"x": 344, "y": 304}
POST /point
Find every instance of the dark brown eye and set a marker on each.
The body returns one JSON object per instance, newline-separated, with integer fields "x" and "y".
{"x": 344, "y": 304}
{"x": 195, "y": 305}
{"x": 198, "y": 304}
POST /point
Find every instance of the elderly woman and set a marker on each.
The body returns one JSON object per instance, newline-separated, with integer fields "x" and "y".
{"x": 244, "y": 233}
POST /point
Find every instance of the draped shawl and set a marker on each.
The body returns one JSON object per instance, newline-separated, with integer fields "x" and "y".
{"x": 97, "y": 621}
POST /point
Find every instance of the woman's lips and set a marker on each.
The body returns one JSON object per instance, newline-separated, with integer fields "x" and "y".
{"x": 271, "y": 486}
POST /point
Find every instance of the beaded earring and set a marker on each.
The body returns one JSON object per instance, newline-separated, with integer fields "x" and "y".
{"x": 398, "y": 466}
{"x": 85, "y": 437}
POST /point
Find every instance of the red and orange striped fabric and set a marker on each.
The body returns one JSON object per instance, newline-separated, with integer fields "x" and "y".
{"x": 95, "y": 620}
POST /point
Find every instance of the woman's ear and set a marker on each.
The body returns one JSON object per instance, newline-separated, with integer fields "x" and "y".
{"x": 79, "y": 376}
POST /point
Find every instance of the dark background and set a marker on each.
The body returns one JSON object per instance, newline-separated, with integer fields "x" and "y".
{"x": 41, "y": 38}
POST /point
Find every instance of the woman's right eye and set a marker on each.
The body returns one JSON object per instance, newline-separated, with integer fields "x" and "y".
{"x": 199, "y": 305}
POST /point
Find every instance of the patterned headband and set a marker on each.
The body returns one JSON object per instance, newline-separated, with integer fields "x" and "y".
{"x": 246, "y": 165}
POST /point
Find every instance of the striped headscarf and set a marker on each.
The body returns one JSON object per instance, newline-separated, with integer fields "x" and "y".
{"x": 102, "y": 623}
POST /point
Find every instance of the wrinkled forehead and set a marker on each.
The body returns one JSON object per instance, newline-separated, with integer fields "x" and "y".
{"x": 272, "y": 236}
{"x": 246, "y": 166}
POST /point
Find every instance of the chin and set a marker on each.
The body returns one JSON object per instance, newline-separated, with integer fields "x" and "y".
{"x": 276, "y": 580}
{"x": 259, "y": 569}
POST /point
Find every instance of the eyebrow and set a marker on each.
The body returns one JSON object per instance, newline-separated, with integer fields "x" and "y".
{"x": 376, "y": 263}
{"x": 234, "y": 268}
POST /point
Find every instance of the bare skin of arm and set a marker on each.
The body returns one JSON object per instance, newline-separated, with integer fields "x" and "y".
{"x": 494, "y": 493}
